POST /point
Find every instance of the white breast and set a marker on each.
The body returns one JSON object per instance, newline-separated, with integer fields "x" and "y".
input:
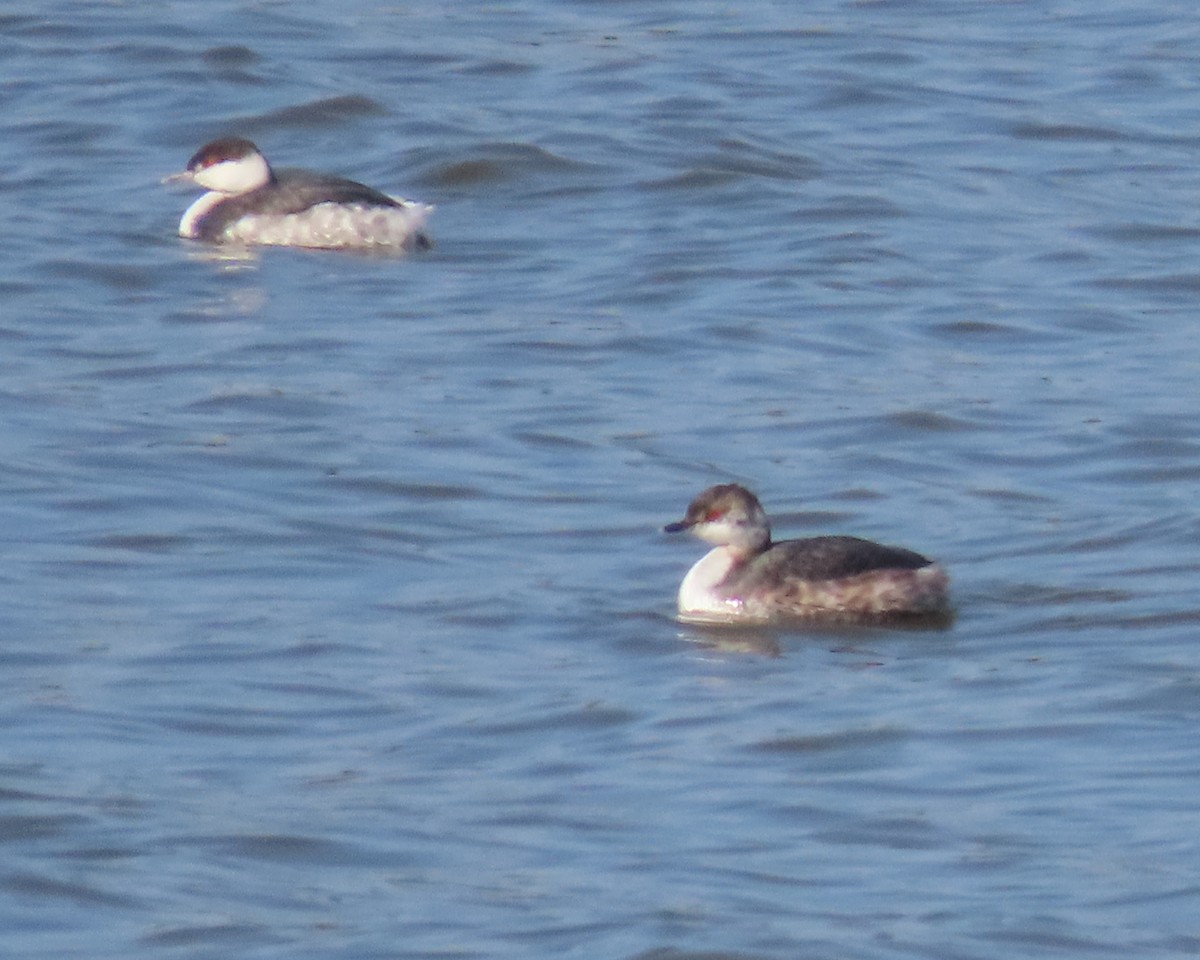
{"x": 192, "y": 215}
{"x": 698, "y": 597}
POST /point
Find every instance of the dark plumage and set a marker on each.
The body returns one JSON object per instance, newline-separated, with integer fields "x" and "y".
{"x": 289, "y": 191}
{"x": 747, "y": 577}
{"x": 821, "y": 558}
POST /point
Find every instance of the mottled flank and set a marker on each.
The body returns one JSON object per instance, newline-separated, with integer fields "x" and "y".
{"x": 883, "y": 594}
{"x": 747, "y": 578}
{"x": 332, "y": 226}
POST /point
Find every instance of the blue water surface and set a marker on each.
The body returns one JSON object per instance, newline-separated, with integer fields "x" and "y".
{"x": 338, "y": 621}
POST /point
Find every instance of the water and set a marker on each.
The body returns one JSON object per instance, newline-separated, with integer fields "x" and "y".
{"x": 337, "y": 621}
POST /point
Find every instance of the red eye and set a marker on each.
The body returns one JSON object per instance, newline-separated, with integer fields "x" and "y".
{"x": 712, "y": 515}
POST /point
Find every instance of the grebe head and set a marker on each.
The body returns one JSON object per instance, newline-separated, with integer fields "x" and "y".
{"x": 230, "y": 165}
{"x": 727, "y": 515}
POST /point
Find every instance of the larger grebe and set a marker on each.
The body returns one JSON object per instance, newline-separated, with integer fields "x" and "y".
{"x": 747, "y": 578}
{"x": 248, "y": 202}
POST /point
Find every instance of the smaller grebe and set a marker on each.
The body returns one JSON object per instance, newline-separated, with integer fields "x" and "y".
{"x": 747, "y": 578}
{"x": 248, "y": 202}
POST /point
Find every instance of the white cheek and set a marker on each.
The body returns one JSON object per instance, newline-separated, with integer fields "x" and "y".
{"x": 234, "y": 176}
{"x": 715, "y": 531}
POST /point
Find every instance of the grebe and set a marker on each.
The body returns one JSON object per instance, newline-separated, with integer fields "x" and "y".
{"x": 248, "y": 202}
{"x": 747, "y": 578}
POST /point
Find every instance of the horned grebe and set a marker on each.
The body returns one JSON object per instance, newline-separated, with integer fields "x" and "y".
{"x": 747, "y": 578}
{"x": 248, "y": 202}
